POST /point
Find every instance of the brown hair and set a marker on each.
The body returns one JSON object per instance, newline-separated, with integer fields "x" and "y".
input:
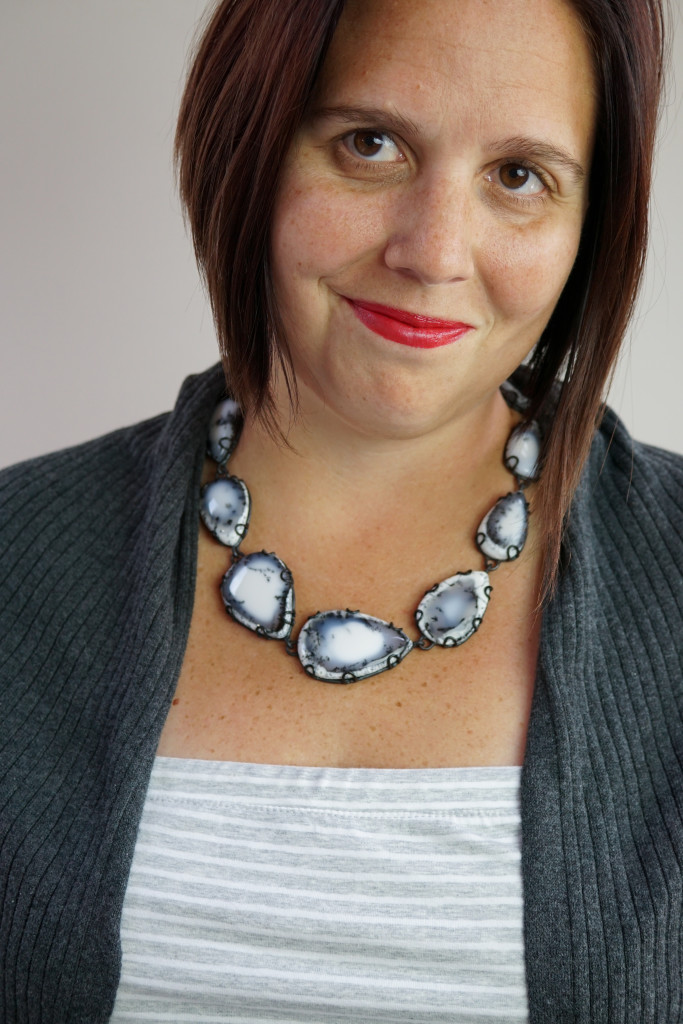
{"x": 251, "y": 79}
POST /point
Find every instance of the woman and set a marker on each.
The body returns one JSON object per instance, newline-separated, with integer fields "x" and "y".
{"x": 394, "y": 205}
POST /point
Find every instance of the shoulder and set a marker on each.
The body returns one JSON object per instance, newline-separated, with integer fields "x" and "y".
{"x": 98, "y": 480}
{"x": 71, "y": 521}
{"x": 633, "y": 490}
{"x": 624, "y": 543}
{"x": 642, "y": 465}
{"x": 40, "y": 495}
{"x": 97, "y": 556}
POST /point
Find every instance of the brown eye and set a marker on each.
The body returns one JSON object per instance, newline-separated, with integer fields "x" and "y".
{"x": 373, "y": 146}
{"x": 368, "y": 143}
{"x": 518, "y": 178}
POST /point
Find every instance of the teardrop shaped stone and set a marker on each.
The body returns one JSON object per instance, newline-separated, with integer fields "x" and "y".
{"x": 258, "y": 592}
{"x": 502, "y": 532}
{"x": 522, "y": 451}
{"x": 345, "y": 646}
{"x": 225, "y": 508}
{"x": 452, "y": 610}
{"x": 224, "y": 430}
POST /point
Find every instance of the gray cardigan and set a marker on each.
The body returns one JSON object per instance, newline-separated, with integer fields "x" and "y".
{"x": 97, "y": 565}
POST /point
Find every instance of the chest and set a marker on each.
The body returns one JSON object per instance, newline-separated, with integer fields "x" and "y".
{"x": 242, "y": 698}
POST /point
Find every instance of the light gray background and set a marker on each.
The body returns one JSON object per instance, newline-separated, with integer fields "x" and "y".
{"x": 101, "y": 310}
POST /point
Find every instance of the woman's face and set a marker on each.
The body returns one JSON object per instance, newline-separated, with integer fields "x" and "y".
{"x": 442, "y": 171}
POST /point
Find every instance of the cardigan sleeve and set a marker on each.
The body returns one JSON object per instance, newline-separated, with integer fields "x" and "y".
{"x": 602, "y": 785}
{"x": 98, "y": 552}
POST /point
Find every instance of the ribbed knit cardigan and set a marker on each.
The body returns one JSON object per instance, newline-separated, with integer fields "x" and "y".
{"x": 97, "y": 563}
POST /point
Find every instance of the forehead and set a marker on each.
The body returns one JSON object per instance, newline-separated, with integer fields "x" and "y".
{"x": 466, "y": 63}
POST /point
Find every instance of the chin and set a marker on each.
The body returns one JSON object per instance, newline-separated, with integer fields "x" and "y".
{"x": 399, "y": 413}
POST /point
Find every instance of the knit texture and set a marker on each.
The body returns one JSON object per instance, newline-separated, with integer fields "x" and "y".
{"x": 97, "y": 570}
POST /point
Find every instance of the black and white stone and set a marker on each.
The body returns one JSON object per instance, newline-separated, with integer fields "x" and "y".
{"x": 345, "y": 646}
{"x": 522, "y": 451}
{"x": 514, "y": 397}
{"x": 224, "y": 430}
{"x": 225, "y": 507}
{"x": 452, "y": 610}
{"x": 503, "y": 530}
{"x": 258, "y": 592}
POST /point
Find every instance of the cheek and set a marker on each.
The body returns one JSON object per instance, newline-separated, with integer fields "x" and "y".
{"x": 319, "y": 230}
{"x": 526, "y": 270}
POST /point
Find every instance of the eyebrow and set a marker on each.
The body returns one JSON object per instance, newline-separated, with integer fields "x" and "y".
{"x": 543, "y": 152}
{"x": 374, "y": 116}
{"x": 516, "y": 145}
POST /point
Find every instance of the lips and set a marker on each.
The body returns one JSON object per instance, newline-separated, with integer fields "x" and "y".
{"x": 412, "y": 329}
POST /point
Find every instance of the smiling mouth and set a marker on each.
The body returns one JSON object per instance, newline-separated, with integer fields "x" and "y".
{"x": 412, "y": 329}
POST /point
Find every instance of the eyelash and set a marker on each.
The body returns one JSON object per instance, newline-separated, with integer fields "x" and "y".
{"x": 511, "y": 196}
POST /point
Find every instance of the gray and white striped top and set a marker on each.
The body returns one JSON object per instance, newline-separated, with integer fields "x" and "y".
{"x": 283, "y": 893}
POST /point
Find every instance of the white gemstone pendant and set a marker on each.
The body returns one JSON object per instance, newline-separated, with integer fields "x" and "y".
{"x": 345, "y": 646}
{"x": 502, "y": 532}
{"x": 225, "y": 507}
{"x": 259, "y": 593}
{"x": 452, "y": 610}
{"x": 224, "y": 430}
{"x": 522, "y": 451}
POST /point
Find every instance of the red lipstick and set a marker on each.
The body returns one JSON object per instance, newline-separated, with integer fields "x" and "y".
{"x": 411, "y": 329}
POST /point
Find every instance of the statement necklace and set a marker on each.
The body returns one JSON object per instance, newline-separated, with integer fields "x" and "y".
{"x": 343, "y": 646}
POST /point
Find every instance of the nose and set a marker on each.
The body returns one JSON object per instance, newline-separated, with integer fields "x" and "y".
{"x": 432, "y": 235}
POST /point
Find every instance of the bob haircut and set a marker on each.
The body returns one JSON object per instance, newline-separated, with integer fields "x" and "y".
{"x": 251, "y": 79}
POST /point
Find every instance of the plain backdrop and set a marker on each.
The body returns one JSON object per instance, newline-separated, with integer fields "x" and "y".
{"x": 101, "y": 310}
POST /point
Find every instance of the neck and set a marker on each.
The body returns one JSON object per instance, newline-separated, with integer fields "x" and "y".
{"x": 335, "y": 479}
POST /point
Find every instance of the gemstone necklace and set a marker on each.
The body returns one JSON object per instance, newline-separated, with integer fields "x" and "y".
{"x": 343, "y": 646}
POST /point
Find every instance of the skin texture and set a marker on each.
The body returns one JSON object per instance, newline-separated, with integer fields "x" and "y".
{"x": 396, "y": 451}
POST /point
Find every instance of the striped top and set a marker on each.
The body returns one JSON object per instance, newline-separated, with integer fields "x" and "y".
{"x": 286, "y": 893}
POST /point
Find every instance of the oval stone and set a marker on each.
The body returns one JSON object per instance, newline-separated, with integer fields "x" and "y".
{"x": 225, "y": 508}
{"x": 522, "y": 451}
{"x": 345, "y": 646}
{"x": 258, "y": 592}
{"x": 452, "y": 610}
{"x": 502, "y": 532}
{"x": 224, "y": 430}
